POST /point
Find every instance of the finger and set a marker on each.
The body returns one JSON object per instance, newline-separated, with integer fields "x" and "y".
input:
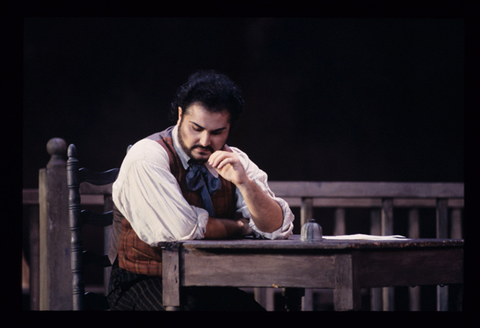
{"x": 223, "y": 162}
{"x": 218, "y": 157}
{"x": 213, "y": 157}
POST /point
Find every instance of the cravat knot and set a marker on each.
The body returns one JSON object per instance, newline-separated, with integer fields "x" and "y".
{"x": 199, "y": 178}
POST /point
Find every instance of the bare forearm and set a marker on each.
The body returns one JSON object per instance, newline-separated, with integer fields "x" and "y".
{"x": 225, "y": 228}
{"x": 266, "y": 213}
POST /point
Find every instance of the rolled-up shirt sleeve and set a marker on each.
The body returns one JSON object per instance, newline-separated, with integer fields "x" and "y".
{"x": 261, "y": 179}
{"x": 149, "y": 197}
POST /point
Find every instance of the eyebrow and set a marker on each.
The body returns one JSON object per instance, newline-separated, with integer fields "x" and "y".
{"x": 201, "y": 127}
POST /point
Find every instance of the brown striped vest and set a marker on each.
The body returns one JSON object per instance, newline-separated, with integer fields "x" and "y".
{"x": 135, "y": 255}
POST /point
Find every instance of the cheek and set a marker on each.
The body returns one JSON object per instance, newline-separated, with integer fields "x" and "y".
{"x": 191, "y": 136}
{"x": 187, "y": 139}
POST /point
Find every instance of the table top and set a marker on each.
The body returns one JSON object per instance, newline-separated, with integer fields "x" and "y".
{"x": 294, "y": 242}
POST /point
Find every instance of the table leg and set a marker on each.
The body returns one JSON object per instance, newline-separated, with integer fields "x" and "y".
{"x": 442, "y": 298}
{"x": 346, "y": 295}
{"x": 293, "y": 298}
{"x": 171, "y": 277}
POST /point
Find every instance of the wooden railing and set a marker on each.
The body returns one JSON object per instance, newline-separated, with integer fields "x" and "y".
{"x": 381, "y": 198}
{"x": 377, "y": 195}
{"x": 46, "y": 215}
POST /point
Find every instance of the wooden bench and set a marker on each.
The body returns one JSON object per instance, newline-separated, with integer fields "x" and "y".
{"x": 46, "y": 211}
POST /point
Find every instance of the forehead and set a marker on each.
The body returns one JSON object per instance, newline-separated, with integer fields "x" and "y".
{"x": 198, "y": 114}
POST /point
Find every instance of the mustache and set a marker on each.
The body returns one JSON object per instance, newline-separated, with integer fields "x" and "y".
{"x": 203, "y": 148}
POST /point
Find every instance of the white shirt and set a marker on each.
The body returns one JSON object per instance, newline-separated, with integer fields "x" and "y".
{"x": 149, "y": 197}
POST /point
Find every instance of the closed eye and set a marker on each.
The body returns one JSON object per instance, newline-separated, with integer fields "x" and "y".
{"x": 200, "y": 128}
{"x": 217, "y": 132}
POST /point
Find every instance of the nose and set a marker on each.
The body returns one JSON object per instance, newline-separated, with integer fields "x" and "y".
{"x": 205, "y": 139}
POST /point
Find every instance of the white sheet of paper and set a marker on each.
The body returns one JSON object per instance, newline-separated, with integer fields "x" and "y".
{"x": 360, "y": 236}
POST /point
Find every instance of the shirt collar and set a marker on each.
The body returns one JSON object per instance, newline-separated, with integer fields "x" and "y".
{"x": 184, "y": 158}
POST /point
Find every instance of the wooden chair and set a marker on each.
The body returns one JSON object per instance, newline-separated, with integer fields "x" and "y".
{"x": 78, "y": 218}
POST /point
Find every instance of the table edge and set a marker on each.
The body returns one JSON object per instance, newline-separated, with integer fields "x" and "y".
{"x": 325, "y": 244}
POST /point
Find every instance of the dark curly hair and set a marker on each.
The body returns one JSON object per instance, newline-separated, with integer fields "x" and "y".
{"x": 214, "y": 90}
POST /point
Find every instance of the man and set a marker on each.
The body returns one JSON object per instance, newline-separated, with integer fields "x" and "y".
{"x": 186, "y": 183}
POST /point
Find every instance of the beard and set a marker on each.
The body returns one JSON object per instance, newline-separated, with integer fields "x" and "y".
{"x": 189, "y": 150}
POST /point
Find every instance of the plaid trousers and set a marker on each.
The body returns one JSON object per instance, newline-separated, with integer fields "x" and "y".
{"x": 129, "y": 291}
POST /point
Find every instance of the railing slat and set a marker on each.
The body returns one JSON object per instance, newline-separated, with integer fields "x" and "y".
{"x": 442, "y": 218}
{"x": 339, "y": 222}
{"x": 306, "y": 210}
{"x": 456, "y": 231}
{"x": 387, "y": 217}
{"x": 414, "y": 232}
{"x": 387, "y": 229}
{"x": 376, "y": 303}
{"x": 413, "y": 223}
{"x": 375, "y": 222}
{"x": 442, "y": 232}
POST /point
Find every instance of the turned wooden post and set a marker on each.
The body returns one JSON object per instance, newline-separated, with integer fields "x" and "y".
{"x": 54, "y": 231}
{"x": 78, "y": 285}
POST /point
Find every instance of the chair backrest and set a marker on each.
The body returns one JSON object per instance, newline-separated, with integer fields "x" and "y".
{"x": 78, "y": 218}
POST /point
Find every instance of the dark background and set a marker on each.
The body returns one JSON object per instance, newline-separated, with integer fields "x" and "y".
{"x": 327, "y": 99}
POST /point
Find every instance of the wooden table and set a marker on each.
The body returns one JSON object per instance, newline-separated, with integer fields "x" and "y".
{"x": 345, "y": 266}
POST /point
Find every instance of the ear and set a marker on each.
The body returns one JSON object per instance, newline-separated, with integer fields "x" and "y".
{"x": 180, "y": 115}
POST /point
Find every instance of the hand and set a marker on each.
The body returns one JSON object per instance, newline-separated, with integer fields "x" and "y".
{"x": 266, "y": 212}
{"x": 246, "y": 229}
{"x": 218, "y": 228}
{"x": 228, "y": 165}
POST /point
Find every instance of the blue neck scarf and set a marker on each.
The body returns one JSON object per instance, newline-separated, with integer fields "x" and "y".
{"x": 199, "y": 178}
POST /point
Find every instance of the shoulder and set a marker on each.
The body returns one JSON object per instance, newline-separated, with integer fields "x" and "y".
{"x": 146, "y": 151}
